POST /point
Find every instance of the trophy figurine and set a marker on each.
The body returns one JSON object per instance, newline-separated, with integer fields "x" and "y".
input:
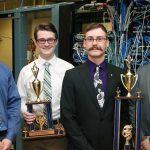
{"x": 127, "y": 133}
{"x": 36, "y": 84}
{"x": 40, "y": 120}
{"x": 129, "y": 79}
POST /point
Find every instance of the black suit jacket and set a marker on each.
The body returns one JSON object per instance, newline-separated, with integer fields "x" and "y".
{"x": 88, "y": 126}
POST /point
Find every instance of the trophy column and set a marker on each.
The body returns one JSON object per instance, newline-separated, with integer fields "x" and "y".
{"x": 138, "y": 121}
{"x": 49, "y": 111}
{"x": 117, "y": 124}
{"x": 117, "y": 131}
{"x": 30, "y": 109}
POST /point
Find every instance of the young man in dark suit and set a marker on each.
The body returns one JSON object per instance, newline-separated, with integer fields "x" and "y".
{"x": 87, "y": 113}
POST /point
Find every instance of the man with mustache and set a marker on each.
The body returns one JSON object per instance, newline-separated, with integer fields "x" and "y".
{"x": 87, "y": 113}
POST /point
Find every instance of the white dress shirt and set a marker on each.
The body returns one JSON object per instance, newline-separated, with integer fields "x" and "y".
{"x": 57, "y": 68}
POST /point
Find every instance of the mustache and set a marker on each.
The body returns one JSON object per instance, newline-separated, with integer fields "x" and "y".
{"x": 95, "y": 47}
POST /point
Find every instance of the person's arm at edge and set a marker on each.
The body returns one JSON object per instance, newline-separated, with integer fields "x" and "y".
{"x": 14, "y": 103}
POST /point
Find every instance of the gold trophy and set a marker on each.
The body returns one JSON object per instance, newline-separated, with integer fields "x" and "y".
{"x": 36, "y": 84}
{"x": 127, "y": 133}
{"x": 129, "y": 79}
{"x": 43, "y": 124}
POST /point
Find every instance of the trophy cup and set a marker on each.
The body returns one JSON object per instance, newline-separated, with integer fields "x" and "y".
{"x": 129, "y": 80}
{"x": 127, "y": 133}
{"x": 36, "y": 84}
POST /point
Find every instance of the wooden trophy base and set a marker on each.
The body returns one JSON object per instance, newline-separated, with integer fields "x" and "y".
{"x": 41, "y": 132}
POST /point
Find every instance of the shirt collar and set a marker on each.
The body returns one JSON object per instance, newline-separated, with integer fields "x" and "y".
{"x": 52, "y": 61}
{"x": 93, "y": 65}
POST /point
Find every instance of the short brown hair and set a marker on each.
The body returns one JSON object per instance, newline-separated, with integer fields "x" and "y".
{"x": 45, "y": 27}
{"x": 95, "y": 25}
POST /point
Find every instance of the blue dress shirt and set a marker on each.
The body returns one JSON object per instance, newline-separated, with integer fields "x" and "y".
{"x": 10, "y": 104}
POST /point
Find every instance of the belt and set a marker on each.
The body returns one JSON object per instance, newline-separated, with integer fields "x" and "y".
{"x": 2, "y": 133}
{"x": 57, "y": 121}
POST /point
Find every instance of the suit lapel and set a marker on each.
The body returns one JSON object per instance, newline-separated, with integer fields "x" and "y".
{"x": 88, "y": 83}
{"x": 109, "y": 81}
{"x": 109, "y": 88}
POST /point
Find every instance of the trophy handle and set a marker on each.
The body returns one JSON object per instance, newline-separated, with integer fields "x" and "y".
{"x": 136, "y": 78}
{"x": 123, "y": 81}
{"x": 41, "y": 87}
{"x": 30, "y": 84}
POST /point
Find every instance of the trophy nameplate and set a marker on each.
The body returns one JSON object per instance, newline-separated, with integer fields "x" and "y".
{"x": 41, "y": 133}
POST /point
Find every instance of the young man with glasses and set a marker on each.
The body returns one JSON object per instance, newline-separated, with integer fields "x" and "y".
{"x": 46, "y": 39}
{"x": 88, "y": 96}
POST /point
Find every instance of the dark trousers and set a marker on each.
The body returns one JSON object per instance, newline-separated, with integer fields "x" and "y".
{"x": 45, "y": 144}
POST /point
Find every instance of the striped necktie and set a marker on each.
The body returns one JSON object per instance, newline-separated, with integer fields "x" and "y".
{"x": 47, "y": 88}
{"x": 99, "y": 88}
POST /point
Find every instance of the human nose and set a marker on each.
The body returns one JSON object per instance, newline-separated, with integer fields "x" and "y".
{"x": 46, "y": 42}
{"x": 94, "y": 41}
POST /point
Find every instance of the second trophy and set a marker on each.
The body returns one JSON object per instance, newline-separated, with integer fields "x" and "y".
{"x": 43, "y": 124}
{"x": 128, "y": 80}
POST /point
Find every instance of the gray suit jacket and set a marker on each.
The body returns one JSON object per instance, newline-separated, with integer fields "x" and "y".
{"x": 143, "y": 85}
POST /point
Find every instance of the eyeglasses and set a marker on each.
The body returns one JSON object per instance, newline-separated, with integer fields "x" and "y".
{"x": 49, "y": 40}
{"x": 98, "y": 39}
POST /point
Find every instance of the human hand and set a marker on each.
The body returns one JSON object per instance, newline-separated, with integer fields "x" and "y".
{"x": 29, "y": 117}
{"x": 145, "y": 144}
{"x": 5, "y": 144}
